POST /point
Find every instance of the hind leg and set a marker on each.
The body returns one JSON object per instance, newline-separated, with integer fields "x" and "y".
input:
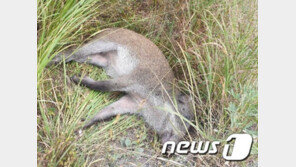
{"x": 96, "y": 53}
{"x": 111, "y": 85}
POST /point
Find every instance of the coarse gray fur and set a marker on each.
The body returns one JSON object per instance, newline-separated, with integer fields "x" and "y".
{"x": 138, "y": 68}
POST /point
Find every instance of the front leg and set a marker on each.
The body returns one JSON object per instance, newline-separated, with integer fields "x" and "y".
{"x": 125, "y": 105}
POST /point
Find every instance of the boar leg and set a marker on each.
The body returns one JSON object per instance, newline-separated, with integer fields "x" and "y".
{"x": 95, "y": 53}
{"x": 125, "y": 105}
{"x": 110, "y": 85}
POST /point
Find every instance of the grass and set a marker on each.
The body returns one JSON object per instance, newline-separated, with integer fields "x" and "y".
{"x": 211, "y": 46}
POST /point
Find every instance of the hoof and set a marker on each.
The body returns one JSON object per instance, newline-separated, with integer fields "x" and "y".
{"x": 75, "y": 79}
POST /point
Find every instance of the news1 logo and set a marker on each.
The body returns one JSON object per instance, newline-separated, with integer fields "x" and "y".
{"x": 240, "y": 149}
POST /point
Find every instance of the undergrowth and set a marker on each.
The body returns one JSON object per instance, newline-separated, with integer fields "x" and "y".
{"x": 211, "y": 45}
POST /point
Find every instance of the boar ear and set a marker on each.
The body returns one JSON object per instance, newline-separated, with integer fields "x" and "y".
{"x": 182, "y": 98}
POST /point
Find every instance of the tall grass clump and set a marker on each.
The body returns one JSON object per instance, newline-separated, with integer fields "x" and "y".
{"x": 60, "y": 23}
{"x": 210, "y": 44}
{"x": 217, "y": 54}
